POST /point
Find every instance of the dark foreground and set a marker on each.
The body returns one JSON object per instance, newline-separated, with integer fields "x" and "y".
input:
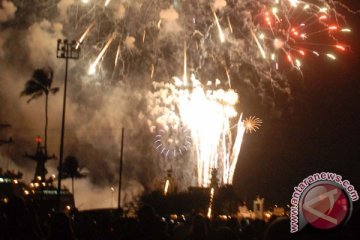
{"x": 18, "y": 221}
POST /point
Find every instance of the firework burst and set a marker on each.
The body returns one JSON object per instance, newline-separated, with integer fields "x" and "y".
{"x": 173, "y": 141}
{"x": 266, "y": 35}
{"x": 252, "y": 124}
{"x": 287, "y": 31}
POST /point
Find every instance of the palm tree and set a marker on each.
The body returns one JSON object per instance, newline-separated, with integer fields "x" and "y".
{"x": 72, "y": 170}
{"x": 40, "y": 84}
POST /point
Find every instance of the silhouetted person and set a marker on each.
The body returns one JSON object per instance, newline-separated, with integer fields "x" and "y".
{"x": 151, "y": 226}
{"x": 199, "y": 229}
{"x": 60, "y": 227}
{"x": 224, "y": 233}
{"x": 180, "y": 231}
{"x": 279, "y": 229}
{"x": 131, "y": 230}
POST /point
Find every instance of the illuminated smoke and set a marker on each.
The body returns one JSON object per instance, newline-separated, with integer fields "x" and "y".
{"x": 7, "y": 10}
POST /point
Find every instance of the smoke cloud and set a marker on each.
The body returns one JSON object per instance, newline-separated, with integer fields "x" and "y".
{"x": 63, "y": 6}
{"x": 7, "y": 10}
{"x": 219, "y": 4}
{"x": 170, "y": 17}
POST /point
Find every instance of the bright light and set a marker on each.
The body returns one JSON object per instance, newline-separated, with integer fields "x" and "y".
{"x": 293, "y": 3}
{"x": 166, "y": 188}
{"x": 107, "y": 2}
{"x": 346, "y": 30}
{"x": 289, "y": 58}
{"x": 323, "y": 10}
{"x": 261, "y": 49}
{"x": 210, "y": 128}
{"x": 92, "y": 69}
{"x": 273, "y": 57}
{"x": 278, "y": 43}
{"x": 84, "y": 35}
{"x": 331, "y": 56}
{"x": 221, "y": 34}
{"x": 252, "y": 124}
{"x": 342, "y": 48}
{"x": 211, "y": 200}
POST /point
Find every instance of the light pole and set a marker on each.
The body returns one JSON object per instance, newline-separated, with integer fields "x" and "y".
{"x": 66, "y": 50}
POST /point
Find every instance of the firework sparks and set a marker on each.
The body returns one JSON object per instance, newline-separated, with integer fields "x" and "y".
{"x": 84, "y": 35}
{"x": 211, "y": 200}
{"x": 290, "y": 27}
{"x": 93, "y": 66}
{"x": 173, "y": 142}
{"x": 277, "y": 34}
{"x": 107, "y": 2}
{"x": 221, "y": 33}
{"x": 210, "y": 129}
{"x": 252, "y": 124}
{"x": 261, "y": 49}
{"x": 166, "y": 188}
{"x": 117, "y": 55}
{"x": 331, "y": 56}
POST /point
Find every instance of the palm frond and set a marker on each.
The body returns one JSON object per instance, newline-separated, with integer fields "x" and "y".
{"x": 42, "y": 76}
{"x": 31, "y": 87}
{"x": 40, "y": 81}
{"x": 34, "y": 96}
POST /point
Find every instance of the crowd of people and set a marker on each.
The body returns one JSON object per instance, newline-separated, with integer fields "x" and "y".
{"x": 19, "y": 221}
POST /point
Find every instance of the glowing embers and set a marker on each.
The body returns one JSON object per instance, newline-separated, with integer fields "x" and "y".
{"x": 173, "y": 141}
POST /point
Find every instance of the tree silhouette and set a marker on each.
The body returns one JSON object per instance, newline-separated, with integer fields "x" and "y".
{"x": 39, "y": 85}
{"x": 71, "y": 170}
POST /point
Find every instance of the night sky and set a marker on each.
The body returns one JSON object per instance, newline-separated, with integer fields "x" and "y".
{"x": 317, "y": 131}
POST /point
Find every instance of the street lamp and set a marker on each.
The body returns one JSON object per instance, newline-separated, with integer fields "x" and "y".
{"x": 66, "y": 50}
